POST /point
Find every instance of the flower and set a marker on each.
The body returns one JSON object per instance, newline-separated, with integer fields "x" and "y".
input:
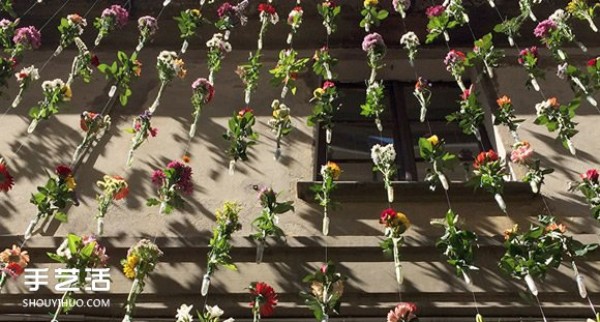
{"x": 556, "y": 227}
{"x": 70, "y": 183}
{"x": 401, "y": 5}
{"x": 67, "y": 92}
{"x": 182, "y": 176}
{"x": 328, "y": 84}
{"x": 485, "y": 157}
{"x": 130, "y": 266}
{"x": 543, "y": 28}
{"x": 387, "y": 216}
{"x": 225, "y": 9}
{"x": 95, "y": 61}
{"x": 63, "y": 171}
{"x": 435, "y": 11}
{"x": 183, "y": 313}
{"x": 422, "y": 84}
{"x": 503, "y": 101}
{"x": 370, "y": 3}
{"x": 123, "y": 192}
{"x": 15, "y": 255}
{"x": 119, "y": 13}
{"x": 404, "y": 311}
{"x": 333, "y": 168}
{"x": 77, "y": 19}
{"x": 264, "y": 297}
{"x": 137, "y": 68}
{"x": 509, "y": 232}
{"x": 6, "y": 180}
{"x": 28, "y": 37}
{"x": 521, "y": 153}
{"x": 244, "y": 111}
{"x": 561, "y": 70}
{"x": 203, "y": 86}
{"x": 434, "y": 140}
{"x": 147, "y": 24}
{"x": 14, "y": 269}
{"x": 186, "y": 159}
{"x": 373, "y": 41}
{"x": 531, "y": 51}
{"x": 591, "y": 175}
{"x": 214, "y": 311}
{"x": 453, "y": 57}
{"x": 558, "y": 16}
{"x": 158, "y": 178}
{"x": 592, "y": 62}
{"x": 466, "y": 93}
{"x": 266, "y": 8}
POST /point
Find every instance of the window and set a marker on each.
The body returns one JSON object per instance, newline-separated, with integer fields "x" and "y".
{"x": 354, "y": 135}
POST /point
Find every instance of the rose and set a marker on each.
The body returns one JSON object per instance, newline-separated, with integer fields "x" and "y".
{"x": 591, "y": 175}
{"x": 435, "y": 11}
{"x": 485, "y": 157}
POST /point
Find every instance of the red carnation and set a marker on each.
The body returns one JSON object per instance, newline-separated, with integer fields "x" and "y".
{"x": 592, "y": 62}
{"x": 63, "y": 171}
{"x": 386, "y": 216}
{"x": 265, "y": 7}
{"x": 485, "y": 157}
{"x": 121, "y": 194}
{"x": 265, "y": 298}
{"x": 6, "y": 180}
{"x": 591, "y": 175}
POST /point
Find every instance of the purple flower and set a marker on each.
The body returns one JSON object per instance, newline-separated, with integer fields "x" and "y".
{"x": 401, "y": 5}
{"x": 158, "y": 178}
{"x": 147, "y": 24}
{"x": 182, "y": 176}
{"x": 543, "y": 28}
{"x": 373, "y": 41}
{"x": 453, "y": 57}
{"x": 435, "y": 11}
{"x": 119, "y": 13}
{"x": 226, "y": 9}
{"x": 28, "y": 37}
{"x": 146, "y": 115}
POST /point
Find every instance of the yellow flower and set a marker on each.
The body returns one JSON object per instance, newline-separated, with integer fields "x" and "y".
{"x": 70, "y": 182}
{"x": 403, "y": 221}
{"x": 318, "y": 92}
{"x": 195, "y": 12}
{"x": 67, "y": 92}
{"x": 129, "y": 266}
{"x": 572, "y": 6}
{"x": 434, "y": 140}
{"x": 181, "y": 72}
{"x": 335, "y": 170}
{"x": 370, "y": 3}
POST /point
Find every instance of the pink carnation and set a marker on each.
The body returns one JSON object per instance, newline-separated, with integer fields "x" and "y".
{"x": 182, "y": 176}
{"x": 119, "y": 13}
{"x": 372, "y": 41}
{"x": 522, "y": 153}
{"x": 591, "y": 175}
{"x": 158, "y": 178}
{"x": 454, "y": 57}
{"x": 403, "y": 312}
{"x": 435, "y": 11}
{"x": 543, "y": 28}
{"x": 28, "y": 36}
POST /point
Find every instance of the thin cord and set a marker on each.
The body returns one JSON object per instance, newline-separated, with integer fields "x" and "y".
{"x": 35, "y": 2}
{"x": 54, "y": 15}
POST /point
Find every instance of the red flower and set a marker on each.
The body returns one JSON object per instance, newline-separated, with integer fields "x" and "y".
{"x": 386, "y": 216}
{"x": 153, "y": 131}
{"x": 95, "y": 61}
{"x": 264, "y": 296}
{"x": 6, "y": 180}
{"x": 63, "y": 171}
{"x": 591, "y": 175}
{"x": 158, "y": 177}
{"x": 328, "y": 84}
{"x": 466, "y": 93}
{"x": 297, "y": 8}
{"x": 121, "y": 194}
{"x": 243, "y": 112}
{"x": 485, "y": 157}
{"x": 329, "y": 3}
{"x": 592, "y": 62}
{"x": 265, "y": 7}
{"x": 14, "y": 269}
{"x": 434, "y": 11}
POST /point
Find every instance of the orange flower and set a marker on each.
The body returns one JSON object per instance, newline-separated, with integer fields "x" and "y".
{"x": 137, "y": 68}
{"x": 510, "y": 232}
{"x": 553, "y": 102}
{"x": 503, "y": 101}
{"x": 554, "y": 227}
{"x": 186, "y": 158}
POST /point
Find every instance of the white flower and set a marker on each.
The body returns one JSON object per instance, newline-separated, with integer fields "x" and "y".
{"x": 558, "y": 16}
{"x": 561, "y": 70}
{"x": 410, "y": 39}
{"x": 214, "y": 311}
{"x": 167, "y": 55}
{"x": 183, "y": 313}
{"x": 30, "y": 72}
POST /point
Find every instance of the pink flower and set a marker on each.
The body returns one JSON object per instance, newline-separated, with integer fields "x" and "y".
{"x": 158, "y": 178}
{"x": 119, "y": 13}
{"x": 205, "y": 88}
{"x": 401, "y": 4}
{"x": 373, "y": 41}
{"x": 454, "y": 57}
{"x": 466, "y": 93}
{"x": 592, "y": 62}
{"x": 225, "y": 9}
{"x": 153, "y": 131}
{"x": 521, "y": 153}
{"x": 148, "y": 24}
{"x": 591, "y": 175}
{"x": 403, "y": 312}
{"x": 435, "y": 11}
{"x": 28, "y": 36}
{"x": 328, "y": 84}
{"x": 533, "y": 51}
{"x": 543, "y": 28}
{"x": 182, "y": 176}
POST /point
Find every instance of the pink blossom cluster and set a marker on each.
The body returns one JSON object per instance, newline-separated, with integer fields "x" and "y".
{"x": 543, "y": 28}
{"x": 531, "y": 51}
{"x": 522, "y": 153}
{"x": 373, "y": 41}
{"x": 205, "y": 87}
{"x": 120, "y": 15}
{"x": 28, "y": 36}
{"x": 99, "y": 251}
{"x": 401, "y": 5}
{"x": 454, "y": 57}
{"x": 435, "y": 11}
{"x": 148, "y": 23}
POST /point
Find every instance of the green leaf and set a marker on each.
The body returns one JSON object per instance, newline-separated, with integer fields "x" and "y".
{"x": 61, "y": 216}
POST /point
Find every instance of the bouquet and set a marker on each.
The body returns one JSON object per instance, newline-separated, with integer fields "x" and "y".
{"x": 53, "y": 198}
{"x": 489, "y": 171}
{"x": 240, "y": 136}
{"x": 522, "y": 153}
{"x": 470, "y": 116}
{"x": 141, "y": 129}
{"x": 411, "y": 43}
{"x": 266, "y": 222}
{"x": 203, "y": 92}
{"x": 267, "y": 15}
{"x": 121, "y": 72}
{"x": 6, "y": 179}
{"x": 326, "y": 290}
{"x": 558, "y": 117}
{"x": 217, "y": 48}
{"x": 432, "y": 150}
{"x": 485, "y": 53}
{"x": 113, "y": 18}
{"x": 440, "y": 21}
{"x": 403, "y": 312}
{"x": 188, "y": 22}
{"x": 25, "y": 38}
{"x": 113, "y": 188}
{"x": 169, "y": 65}
{"x": 330, "y": 172}
{"x": 147, "y": 25}
{"x": 510, "y": 27}
{"x": 371, "y": 15}
{"x": 210, "y": 314}
{"x": 401, "y": 6}
{"x": 323, "y": 62}
{"x": 505, "y": 115}
{"x": 396, "y": 223}
{"x": 329, "y": 10}
{"x": 82, "y": 256}
{"x": 529, "y": 59}
{"x": 457, "y": 244}
{"x": 231, "y": 16}
{"x": 294, "y": 20}
{"x": 141, "y": 260}
{"x": 94, "y": 125}
{"x": 70, "y": 28}
{"x": 13, "y": 262}
{"x": 265, "y": 300}
{"x": 375, "y": 48}
{"x": 249, "y": 74}
{"x": 581, "y": 10}
{"x": 227, "y": 224}
{"x": 590, "y": 189}
{"x": 384, "y": 161}
{"x": 281, "y": 124}
{"x": 55, "y": 93}
{"x": 373, "y": 106}
{"x": 81, "y": 63}
{"x": 24, "y": 78}
{"x": 456, "y": 63}
{"x": 286, "y": 71}
{"x": 553, "y": 34}
{"x": 322, "y": 113}
{"x": 171, "y": 184}
{"x": 423, "y": 94}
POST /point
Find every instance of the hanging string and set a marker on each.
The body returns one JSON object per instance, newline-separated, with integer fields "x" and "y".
{"x": 54, "y": 15}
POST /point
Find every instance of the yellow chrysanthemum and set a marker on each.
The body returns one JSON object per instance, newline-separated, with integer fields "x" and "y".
{"x": 129, "y": 267}
{"x": 70, "y": 182}
{"x": 572, "y": 6}
{"x": 434, "y": 140}
{"x": 403, "y": 221}
{"x": 335, "y": 169}
{"x": 370, "y": 3}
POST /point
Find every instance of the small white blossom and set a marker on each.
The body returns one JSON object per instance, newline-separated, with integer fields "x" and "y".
{"x": 183, "y": 313}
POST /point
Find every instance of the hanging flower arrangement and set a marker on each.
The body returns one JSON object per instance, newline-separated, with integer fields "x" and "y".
{"x": 489, "y": 171}
{"x": 240, "y": 136}
{"x": 505, "y": 115}
{"x": 401, "y": 7}
{"x": 554, "y": 34}
{"x": 375, "y": 48}
{"x": 266, "y": 223}
{"x": 203, "y": 92}
{"x": 231, "y": 16}
{"x": 114, "y": 188}
{"x": 70, "y": 28}
{"x": 171, "y": 183}
{"x": 264, "y": 302}
{"x": 53, "y": 198}
{"x": 470, "y": 115}
{"x": 422, "y": 93}
{"x": 249, "y": 74}
{"x": 323, "y": 63}
{"x": 112, "y": 18}
{"x": 579, "y": 81}
{"x": 374, "y": 106}
{"x": 227, "y": 224}
{"x": 457, "y": 245}
{"x": 280, "y": 123}
{"x": 55, "y": 92}
{"x": 330, "y": 172}
{"x": 581, "y": 10}
{"x": 590, "y": 189}
{"x": 326, "y": 290}
{"x": 188, "y": 22}
{"x": 486, "y": 54}
{"x": 24, "y": 78}
{"x": 267, "y": 15}
{"x": 82, "y": 63}
{"x": 522, "y": 153}
{"x": 558, "y": 117}
{"x": 80, "y": 254}
{"x": 410, "y": 42}
{"x": 396, "y": 223}
{"x": 322, "y": 114}
{"x": 218, "y": 46}
{"x": 141, "y": 260}
{"x": 403, "y": 312}
{"x": 372, "y": 16}
{"x": 456, "y": 63}
{"x": 169, "y": 66}
{"x": 432, "y": 150}
{"x": 294, "y": 20}
{"x": 7, "y": 32}
{"x": 210, "y": 314}
{"x": 121, "y": 72}
{"x": 329, "y": 10}
{"x": 147, "y": 25}
{"x": 94, "y": 125}
{"x": 510, "y": 27}
{"x": 141, "y": 129}
{"x": 529, "y": 59}
{"x": 286, "y": 71}
{"x": 384, "y": 161}
{"x": 13, "y": 262}
{"x": 26, "y": 38}
{"x": 6, "y": 179}
{"x": 440, "y": 21}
